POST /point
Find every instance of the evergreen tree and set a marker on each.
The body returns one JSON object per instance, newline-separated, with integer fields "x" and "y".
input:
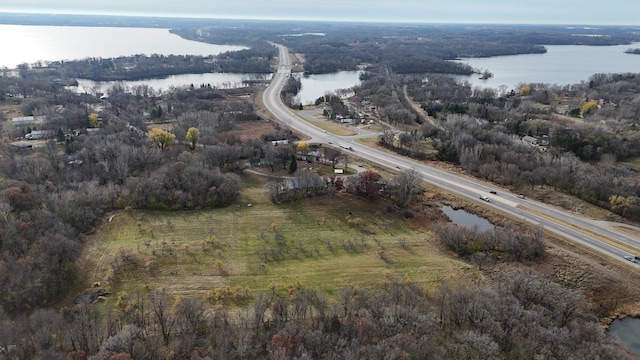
{"x": 293, "y": 167}
{"x": 60, "y": 135}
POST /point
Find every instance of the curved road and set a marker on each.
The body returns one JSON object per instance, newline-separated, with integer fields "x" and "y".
{"x": 599, "y": 236}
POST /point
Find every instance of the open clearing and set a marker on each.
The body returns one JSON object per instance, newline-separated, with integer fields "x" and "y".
{"x": 325, "y": 243}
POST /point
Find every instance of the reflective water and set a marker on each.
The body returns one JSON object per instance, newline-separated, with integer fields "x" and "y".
{"x": 218, "y": 80}
{"x": 29, "y": 44}
{"x": 627, "y": 331}
{"x": 562, "y": 65}
{"x": 315, "y": 86}
{"x": 468, "y": 220}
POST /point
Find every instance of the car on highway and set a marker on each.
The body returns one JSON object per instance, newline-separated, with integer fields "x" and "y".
{"x": 492, "y": 191}
{"x": 520, "y": 196}
{"x": 630, "y": 258}
{"x": 484, "y": 198}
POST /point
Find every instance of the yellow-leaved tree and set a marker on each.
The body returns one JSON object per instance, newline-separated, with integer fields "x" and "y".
{"x": 161, "y": 138}
{"x": 303, "y": 147}
{"x": 93, "y": 119}
{"x": 525, "y": 90}
{"x": 619, "y": 204}
{"x": 193, "y": 135}
{"x": 588, "y": 107}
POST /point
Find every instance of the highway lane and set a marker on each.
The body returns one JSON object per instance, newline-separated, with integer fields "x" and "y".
{"x": 572, "y": 227}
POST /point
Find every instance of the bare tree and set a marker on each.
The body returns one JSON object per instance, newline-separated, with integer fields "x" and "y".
{"x": 161, "y": 313}
{"x": 333, "y": 155}
{"x": 405, "y": 187}
{"x": 190, "y": 316}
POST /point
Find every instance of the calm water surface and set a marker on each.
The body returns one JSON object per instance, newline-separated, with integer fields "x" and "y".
{"x": 627, "y": 331}
{"x": 566, "y": 64}
{"x": 315, "y": 86}
{"x": 562, "y": 65}
{"x": 468, "y": 220}
{"x": 218, "y": 80}
{"x": 29, "y": 44}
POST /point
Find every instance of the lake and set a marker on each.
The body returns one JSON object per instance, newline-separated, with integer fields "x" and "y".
{"x": 218, "y": 80}
{"x": 562, "y": 65}
{"x": 315, "y": 86}
{"x": 30, "y": 44}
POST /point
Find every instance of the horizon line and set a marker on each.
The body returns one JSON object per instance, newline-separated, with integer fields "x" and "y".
{"x": 369, "y": 21}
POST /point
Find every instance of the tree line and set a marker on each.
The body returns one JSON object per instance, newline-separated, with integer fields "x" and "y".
{"x": 524, "y": 317}
{"x": 136, "y": 67}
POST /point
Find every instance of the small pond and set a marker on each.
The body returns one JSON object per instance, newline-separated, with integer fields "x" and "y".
{"x": 468, "y": 220}
{"x": 627, "y": 332}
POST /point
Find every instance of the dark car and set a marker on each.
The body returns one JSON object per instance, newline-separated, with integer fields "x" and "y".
{"x": 493, "y": 192}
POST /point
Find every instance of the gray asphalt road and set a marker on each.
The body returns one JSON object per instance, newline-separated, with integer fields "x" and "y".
{"x": 578, "y": 229}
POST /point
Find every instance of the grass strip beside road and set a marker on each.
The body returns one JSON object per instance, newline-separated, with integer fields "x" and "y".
{"x": 605, "y": 239}
{"x": 328, "y": 126}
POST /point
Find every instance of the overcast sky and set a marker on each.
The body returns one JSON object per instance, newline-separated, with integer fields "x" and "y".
{"x": 587, "y": 12}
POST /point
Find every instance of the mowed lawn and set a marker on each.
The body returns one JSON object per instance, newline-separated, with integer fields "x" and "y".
{"x": 325, "y": 243}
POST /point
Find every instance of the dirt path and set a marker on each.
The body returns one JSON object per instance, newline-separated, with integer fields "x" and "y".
{"x": 423, "y": 114}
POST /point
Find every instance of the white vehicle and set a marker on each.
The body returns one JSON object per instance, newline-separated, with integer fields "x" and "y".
{"x": 484, "y": 198}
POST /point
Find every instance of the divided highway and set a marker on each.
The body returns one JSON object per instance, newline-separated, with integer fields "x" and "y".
{"x": 599, "y": 236}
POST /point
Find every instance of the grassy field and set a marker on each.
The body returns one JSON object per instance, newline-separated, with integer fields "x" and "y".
{"x": 634, "y": 161}
{"x": 322, "y": 123}
{"x": 332, "y": 128}
{"x": 325, "y": 243}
